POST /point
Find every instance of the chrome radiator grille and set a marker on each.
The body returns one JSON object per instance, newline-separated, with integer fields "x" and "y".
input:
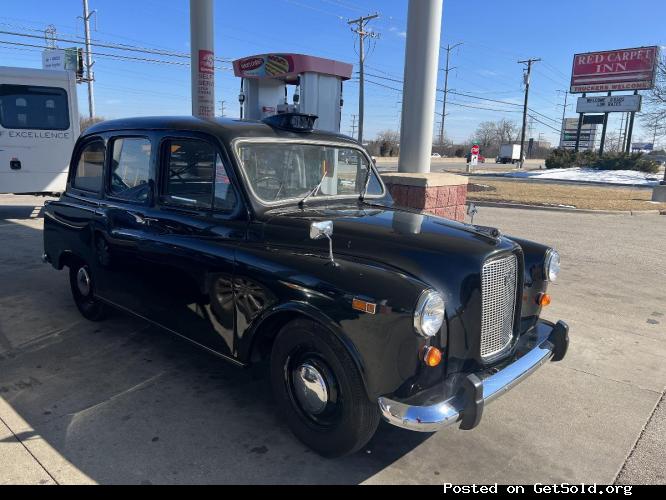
{"x": 498, "y": 304}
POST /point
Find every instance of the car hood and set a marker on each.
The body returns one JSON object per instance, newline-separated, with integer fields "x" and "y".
{"x": 427, "y": 247}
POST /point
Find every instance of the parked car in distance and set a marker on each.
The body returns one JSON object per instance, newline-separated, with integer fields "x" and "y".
{"x": 435, "y": 155}
{"x": 256, "y": 242}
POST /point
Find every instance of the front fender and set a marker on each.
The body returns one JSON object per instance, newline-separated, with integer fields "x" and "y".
{"x": 383, "y": 345}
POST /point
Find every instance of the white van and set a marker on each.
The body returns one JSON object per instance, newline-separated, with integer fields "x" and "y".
{"x": 39, "y": 124}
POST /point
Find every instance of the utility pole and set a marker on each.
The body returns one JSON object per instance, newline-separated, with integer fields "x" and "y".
{"x": 446, "y": 89}
{"x": 526, "y": 77}
{"x": 564, "y": 111}
{"x": 90, "y": 77}
{"x": 360, "y": 30}
{"x": 353, "y": 126}
{"x": 222, "y": 107}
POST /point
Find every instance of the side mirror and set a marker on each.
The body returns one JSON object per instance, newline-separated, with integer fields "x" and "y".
{"x": 319, "y": 230}
{"x": 324, "y": 229}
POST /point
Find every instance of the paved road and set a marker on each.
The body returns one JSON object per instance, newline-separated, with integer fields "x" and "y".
{"x": 123, "y": 402}
{"x": 391, "y": 164}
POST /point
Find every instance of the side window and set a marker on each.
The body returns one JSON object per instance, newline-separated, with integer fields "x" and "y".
{"x": 88, "y": 174}
{"x": 130, "y": 168}
{"x": 195, "y": 176}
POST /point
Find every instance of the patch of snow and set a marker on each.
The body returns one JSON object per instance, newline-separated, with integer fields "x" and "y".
{"x": 591, "y": 175}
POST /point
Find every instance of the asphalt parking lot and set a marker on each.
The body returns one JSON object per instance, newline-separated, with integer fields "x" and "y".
{"x": 124, "y": 402}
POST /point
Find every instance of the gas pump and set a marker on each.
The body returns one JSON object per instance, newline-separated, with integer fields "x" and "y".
{"x": 318, "y": 87}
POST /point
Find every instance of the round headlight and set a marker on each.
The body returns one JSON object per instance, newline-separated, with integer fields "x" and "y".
{"x": 552, "y": 265}
{"x": 429, "y": 313}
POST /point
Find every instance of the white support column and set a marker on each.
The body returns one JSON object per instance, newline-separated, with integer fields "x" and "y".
{"x": 419, "y": 90}
{"x": 202, "y": 58}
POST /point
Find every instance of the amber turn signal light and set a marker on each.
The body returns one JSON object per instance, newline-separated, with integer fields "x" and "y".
{"x": 432, "y": 356}
{"x": 543, "y": 299}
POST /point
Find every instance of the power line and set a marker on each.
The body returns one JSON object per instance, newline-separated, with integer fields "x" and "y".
{"x": 114, "y": 46}
{"x": 114, "y": 56}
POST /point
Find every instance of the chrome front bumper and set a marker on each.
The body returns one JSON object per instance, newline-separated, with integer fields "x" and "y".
{"x": 550, "y": 343}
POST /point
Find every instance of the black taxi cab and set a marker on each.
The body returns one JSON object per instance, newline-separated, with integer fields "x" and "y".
{"x": 273, "y": 242}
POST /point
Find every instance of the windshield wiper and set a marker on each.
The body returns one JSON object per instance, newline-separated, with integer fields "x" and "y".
{"x": 314, "y": 190}
{"x": 365, "y": 184}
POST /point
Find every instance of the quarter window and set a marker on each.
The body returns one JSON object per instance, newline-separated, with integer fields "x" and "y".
{"x": 31, "y": 107}
{"x": 130, "y": 168}
{"x": 89, "y": 168}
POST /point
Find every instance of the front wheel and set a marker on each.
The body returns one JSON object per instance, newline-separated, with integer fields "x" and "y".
{"x": 319, "y": 390}
{"x": 82, "y": 285}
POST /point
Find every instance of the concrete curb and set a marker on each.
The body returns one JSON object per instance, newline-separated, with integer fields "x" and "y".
{"x": 496, "y": 204}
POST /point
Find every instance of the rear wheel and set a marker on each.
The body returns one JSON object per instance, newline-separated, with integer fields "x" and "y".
{"x": 82, "y": 285}
{"x": 319, "y": 390}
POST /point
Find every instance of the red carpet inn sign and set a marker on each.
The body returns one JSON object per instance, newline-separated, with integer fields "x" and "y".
{"x": 611, "y": 70}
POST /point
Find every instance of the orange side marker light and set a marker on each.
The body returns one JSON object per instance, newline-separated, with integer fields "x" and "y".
{"x": 432, "y": 356}
{"x": 543, "y": 299}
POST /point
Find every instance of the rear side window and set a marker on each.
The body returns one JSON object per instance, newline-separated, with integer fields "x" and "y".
{"x": 89, "y": 168}
{"x": 130, "y": 168}
{"x": 31, "y": 107}
{"x": 196, "y": 177}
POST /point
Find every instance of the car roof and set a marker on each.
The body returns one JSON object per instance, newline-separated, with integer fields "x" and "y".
{"x": 227, "y": 129}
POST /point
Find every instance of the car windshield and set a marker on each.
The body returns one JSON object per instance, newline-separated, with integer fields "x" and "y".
{"x": 280, "y": 171}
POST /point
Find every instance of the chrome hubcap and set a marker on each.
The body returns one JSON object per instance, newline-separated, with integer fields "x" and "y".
{"x": 310, "y": 388}
{"x": 83, "y": 281}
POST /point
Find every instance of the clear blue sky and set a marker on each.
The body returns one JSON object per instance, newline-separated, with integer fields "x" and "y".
{"x": 495, "y": 34}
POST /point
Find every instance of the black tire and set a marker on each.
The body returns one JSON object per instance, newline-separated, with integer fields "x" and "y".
{"x": 349, "y": 419}
{"x": 88, "y": 305}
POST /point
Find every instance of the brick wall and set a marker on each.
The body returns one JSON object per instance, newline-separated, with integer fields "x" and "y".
{"x": 443, "y": 200}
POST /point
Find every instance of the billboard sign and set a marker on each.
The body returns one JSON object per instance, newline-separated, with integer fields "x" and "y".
{"x": 61, "y": 59}
{"x": 624, "y": 69}
{"x": 588, "y": 134}
{"x": 609, "y": 104}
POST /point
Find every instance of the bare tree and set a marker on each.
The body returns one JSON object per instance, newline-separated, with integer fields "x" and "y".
{"x": 507, "y": 131}
{"x": 485, "y": 134}
{"x": 656, "y": 98}
{"x": 389, "y": 142}
{"x": 85, "y": 122}
{"x": 490, "y": 135}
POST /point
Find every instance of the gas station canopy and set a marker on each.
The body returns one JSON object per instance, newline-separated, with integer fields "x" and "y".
{"x": 287, "y": 67}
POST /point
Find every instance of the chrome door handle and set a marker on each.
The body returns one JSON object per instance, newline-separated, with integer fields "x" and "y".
{"x": 142, "y": 219}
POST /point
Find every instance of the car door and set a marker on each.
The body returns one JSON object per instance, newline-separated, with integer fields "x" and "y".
{"x": 122, "y": 223}
{"x": 195, "y": 225}
{"x": 69, "y": 222}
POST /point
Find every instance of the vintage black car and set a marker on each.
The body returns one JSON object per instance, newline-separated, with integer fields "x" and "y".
{"x": 270, "y": 241}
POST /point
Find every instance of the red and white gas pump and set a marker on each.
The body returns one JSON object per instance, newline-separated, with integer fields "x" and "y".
{"x": 318, "y": 82}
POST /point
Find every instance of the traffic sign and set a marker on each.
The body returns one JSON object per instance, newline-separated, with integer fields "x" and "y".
{"x": 475, "y": 150}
